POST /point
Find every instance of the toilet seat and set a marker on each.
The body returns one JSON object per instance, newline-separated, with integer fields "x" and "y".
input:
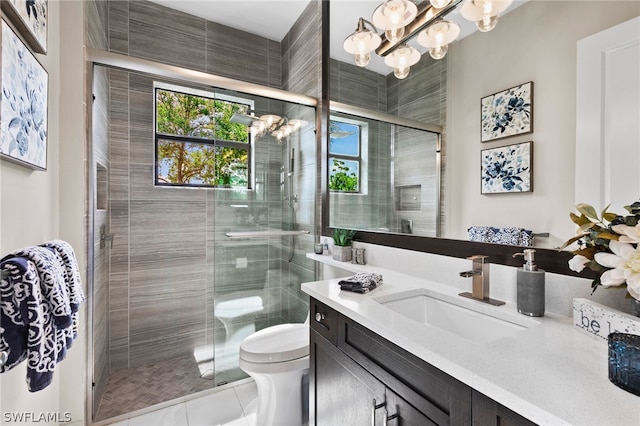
{"x": 279, "y": 343}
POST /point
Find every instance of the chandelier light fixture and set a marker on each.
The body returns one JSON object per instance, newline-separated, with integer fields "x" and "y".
{"x": 402, "y": 20}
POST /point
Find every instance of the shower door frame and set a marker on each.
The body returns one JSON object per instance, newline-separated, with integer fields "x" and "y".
{"x": 95, "y": 57}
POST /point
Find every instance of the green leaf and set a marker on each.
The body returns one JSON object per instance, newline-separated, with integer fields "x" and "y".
{"x": 588, "y": 211}
{"x": 586, "y": 226}
{"x": 609, "y": 216}
{"x": 579, "y": 220}
{"x": 608, "y": 236}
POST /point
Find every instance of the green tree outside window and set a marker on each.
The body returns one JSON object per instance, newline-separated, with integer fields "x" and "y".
{"x": 201, "y": 146}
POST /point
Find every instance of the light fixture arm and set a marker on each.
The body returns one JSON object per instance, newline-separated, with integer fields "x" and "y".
{"x": 362, "y": 25}
{"x": 427, "y": 15}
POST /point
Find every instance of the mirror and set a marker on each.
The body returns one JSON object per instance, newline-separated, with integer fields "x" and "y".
{"x": 447, "y": 93}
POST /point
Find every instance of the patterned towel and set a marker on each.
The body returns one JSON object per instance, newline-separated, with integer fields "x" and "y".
{"x": 361, "y": 283}
{"x": 39, "y": 301}
{"x": 67, "y": 258}
{"x": 509, "y": 235}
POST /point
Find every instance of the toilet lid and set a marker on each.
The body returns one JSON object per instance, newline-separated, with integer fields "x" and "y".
{"x": 279, "y": 343}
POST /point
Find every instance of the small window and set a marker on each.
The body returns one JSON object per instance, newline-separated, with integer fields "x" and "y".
{"x": 197, "y": 144}
{"x": 345, "y": 140}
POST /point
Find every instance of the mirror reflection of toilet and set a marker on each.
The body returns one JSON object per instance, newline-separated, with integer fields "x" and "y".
{"x": 277, "y": 358}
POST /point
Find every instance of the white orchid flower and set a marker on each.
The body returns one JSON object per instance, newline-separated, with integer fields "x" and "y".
{"x": 578, "y": 262}
{"x": 628, "y": 234}
{"x": 625, "y": 261}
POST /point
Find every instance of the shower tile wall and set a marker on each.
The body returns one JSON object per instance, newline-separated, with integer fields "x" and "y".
{"x": 166, "y": 239}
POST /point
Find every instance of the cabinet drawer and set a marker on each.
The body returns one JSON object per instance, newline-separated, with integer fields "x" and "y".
{"x": 324, "y": 320}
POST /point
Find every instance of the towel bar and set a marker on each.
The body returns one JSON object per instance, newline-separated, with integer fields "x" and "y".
{"x": 255, "y": 234}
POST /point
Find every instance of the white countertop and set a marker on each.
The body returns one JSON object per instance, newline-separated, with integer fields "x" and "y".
{"x": 549, "y": 373}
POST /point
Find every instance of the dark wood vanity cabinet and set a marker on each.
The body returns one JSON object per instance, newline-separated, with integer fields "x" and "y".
{"x": 359, "y": 378}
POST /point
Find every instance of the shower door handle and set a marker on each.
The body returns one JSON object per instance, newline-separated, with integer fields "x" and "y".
{"x": 104, "y": 237}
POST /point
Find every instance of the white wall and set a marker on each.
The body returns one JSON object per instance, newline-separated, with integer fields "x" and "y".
{"x": 536, "y": 42}
{"x": 37, "y": 206}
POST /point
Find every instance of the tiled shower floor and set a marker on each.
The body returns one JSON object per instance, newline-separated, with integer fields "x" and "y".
{"x": 138, "y": 388}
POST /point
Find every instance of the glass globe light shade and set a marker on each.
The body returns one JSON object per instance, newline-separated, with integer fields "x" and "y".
{"x": 361, "y": 43}
{"x": 484, "y": 12}
{"x": 402, "y": 59}
{"x": 437, "y": 36}
{"x": 392, "y": 16}
{"x": 487, "y": 23}
{"x": 270, "y": 119}
{"x": 438, "y": 52}
{"x": 362, "y": 59}
{"x": 439, "y": 4}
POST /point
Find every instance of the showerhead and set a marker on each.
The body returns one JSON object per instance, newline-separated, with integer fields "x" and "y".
{"x": 245, "y": 119}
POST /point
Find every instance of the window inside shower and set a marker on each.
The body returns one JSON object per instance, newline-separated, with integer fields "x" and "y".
{"x": 198, "y": 141}
{"x": 193, "y": 269}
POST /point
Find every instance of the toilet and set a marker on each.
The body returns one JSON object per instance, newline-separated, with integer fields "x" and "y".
{"x": 277, "y": 358}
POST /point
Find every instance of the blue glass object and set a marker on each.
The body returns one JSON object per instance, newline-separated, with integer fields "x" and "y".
{"x": 624, "y": 361}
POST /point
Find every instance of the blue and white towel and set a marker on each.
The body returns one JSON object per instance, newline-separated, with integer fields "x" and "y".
{"x": 362, "y": 282}
{"x": 508, "y": 235}
{"x": 39, "y": 301}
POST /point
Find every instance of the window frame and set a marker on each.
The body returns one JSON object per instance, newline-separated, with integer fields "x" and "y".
{"x": 248, "y": 146}
{"x": 361, "y": 158}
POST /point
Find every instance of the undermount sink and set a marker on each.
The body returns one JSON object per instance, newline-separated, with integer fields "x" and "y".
{"x": 480, "y": 324}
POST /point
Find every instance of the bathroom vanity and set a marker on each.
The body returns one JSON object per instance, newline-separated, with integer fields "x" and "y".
{"x": 378, "y": 358}
{"x": 360, "y": 378}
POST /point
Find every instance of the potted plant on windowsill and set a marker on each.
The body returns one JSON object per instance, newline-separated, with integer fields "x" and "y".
{"x": 342, "y": 239}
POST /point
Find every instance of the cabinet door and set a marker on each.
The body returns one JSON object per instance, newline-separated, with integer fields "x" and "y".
{"x": 342, "y": 392}
{"x": 487, "y": 412}
{"x": 400, "y": 413}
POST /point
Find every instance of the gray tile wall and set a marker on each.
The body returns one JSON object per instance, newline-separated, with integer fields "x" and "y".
{"x": 151, "y": 31}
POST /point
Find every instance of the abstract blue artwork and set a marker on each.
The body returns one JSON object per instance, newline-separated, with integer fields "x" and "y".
{"x": 30, "y": 19}
{"x": 23, "y": 119}
{"x": 507, "y": 113}
{"x": 507, "y": 169}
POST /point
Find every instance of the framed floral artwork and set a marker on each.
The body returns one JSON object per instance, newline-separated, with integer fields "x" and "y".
{"x": 507, "y": 169}
{"x": 507, "y": 113}
{"x": 23, "y": 108}
{"x": 30, "y": 19}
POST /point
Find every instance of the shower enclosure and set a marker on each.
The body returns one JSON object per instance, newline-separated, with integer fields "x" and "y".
{"x": 200, "y": 229}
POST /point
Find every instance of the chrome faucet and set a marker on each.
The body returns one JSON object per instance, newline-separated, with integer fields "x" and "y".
{"x": 480, "y": 286}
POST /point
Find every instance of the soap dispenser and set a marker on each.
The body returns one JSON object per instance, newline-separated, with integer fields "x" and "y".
{"x": 530, "y": 292}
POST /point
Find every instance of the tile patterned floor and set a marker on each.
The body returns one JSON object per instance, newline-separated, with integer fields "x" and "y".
{"x": 230, "y": 405}
{"x": 142, "y": 387}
